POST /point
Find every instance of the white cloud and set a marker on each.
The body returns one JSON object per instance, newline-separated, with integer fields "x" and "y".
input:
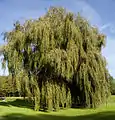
{"x": 93, "y": 16}
{"x": 110, "y": 27}
{"x": 105, "y": 26}
{"x": 5, "y": 71}
{"x": 89, "y": 12}
{"x": 109, "y": 53}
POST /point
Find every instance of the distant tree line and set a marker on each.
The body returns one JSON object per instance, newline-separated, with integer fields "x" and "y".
{"x": 8, "y": 87}
{"x": 112, "y": 81}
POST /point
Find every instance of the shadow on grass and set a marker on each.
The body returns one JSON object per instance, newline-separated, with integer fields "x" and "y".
{"x": 18, "y": 103}
{"x": 97, "y": 116}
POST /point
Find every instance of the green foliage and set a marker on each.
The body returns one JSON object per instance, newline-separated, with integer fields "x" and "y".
{"x": 112, "y": 85}
{"x": 58, "y": 59}
{"x": 7, "y": 86}
{"x": 1, "y": 49}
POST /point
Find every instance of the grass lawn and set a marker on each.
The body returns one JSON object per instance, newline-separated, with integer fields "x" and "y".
{"x": 14, "y": 109}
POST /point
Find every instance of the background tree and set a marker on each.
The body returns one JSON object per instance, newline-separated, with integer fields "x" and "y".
{"x": 58, "y": 59}
{"x": 112, "y": 84}
{"x": 7, "y": 88}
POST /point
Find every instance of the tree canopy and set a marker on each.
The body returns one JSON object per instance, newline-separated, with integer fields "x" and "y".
{"x": 58, "y": 59}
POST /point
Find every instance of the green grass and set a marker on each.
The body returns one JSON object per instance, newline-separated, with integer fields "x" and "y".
{"x": 17, "y": 109}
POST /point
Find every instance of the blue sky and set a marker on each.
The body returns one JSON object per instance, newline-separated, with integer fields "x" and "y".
{"x": 100, "y": 13}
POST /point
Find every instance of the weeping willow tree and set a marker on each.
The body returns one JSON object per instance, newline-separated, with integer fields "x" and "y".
{"x": 57, "y": 61}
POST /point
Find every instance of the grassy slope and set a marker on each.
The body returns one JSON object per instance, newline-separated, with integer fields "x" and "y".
{"x": 17, "y": 110}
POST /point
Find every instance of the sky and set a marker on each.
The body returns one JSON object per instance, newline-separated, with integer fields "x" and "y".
{"x": 100, "y": 13}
